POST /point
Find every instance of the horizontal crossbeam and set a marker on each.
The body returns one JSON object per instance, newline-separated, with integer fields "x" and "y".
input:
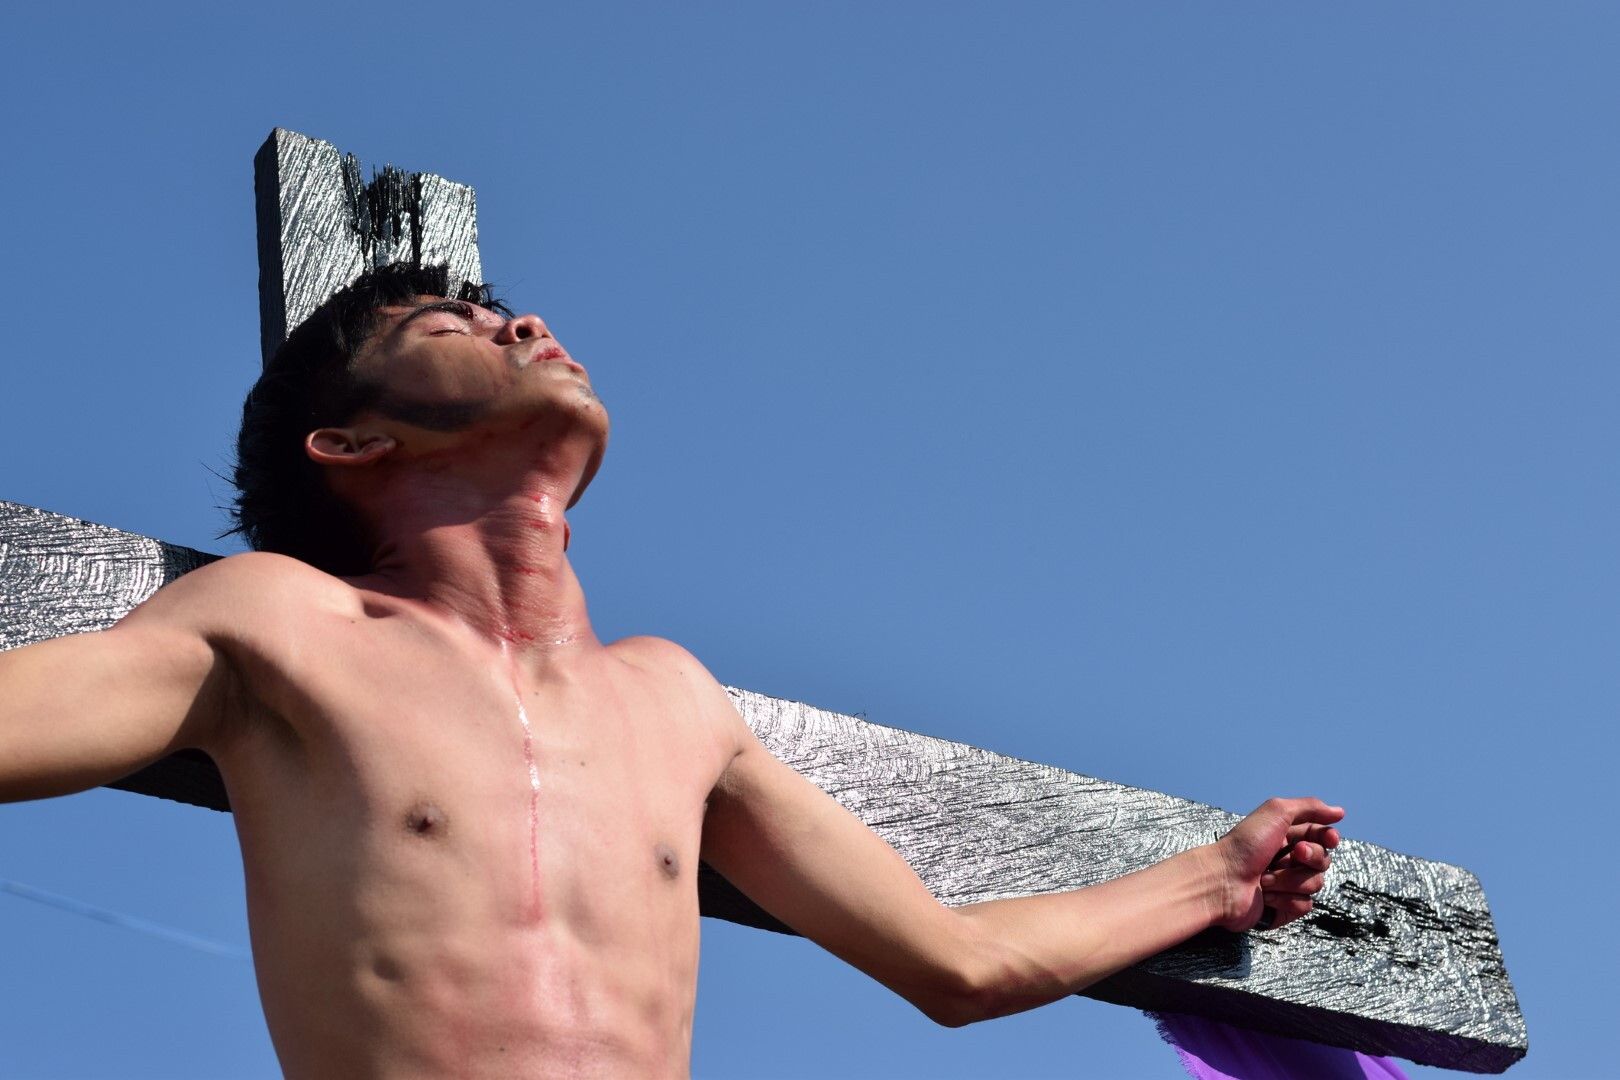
{"x": 1400, "y": 956}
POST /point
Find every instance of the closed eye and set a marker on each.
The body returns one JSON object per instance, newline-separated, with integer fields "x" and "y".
{"x": 458, "y": 308}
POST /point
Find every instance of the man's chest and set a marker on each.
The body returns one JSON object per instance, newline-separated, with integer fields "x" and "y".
{"x": 390, "y": 754}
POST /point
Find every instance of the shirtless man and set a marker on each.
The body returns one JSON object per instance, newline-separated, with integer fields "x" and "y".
{"x": 470, "y": 830}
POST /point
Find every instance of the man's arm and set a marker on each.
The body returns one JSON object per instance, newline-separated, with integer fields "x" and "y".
{"x": 80, "y": 711}
{"x": 798, "y": 854}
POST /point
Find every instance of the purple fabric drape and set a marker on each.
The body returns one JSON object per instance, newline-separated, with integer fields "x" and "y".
{"x": 1211, "y": 1050}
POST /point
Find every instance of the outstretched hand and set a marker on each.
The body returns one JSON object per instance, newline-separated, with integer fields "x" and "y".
{"x": 1275, "y": 861}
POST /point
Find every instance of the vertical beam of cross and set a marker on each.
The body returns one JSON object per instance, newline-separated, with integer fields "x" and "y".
{"x": 321, "y": 225}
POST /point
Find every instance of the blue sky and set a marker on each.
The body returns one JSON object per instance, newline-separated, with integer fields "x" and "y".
{"x": 1215, "y": 400}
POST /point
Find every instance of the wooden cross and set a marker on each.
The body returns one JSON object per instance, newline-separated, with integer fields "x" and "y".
{"x": 1399, "y": 956}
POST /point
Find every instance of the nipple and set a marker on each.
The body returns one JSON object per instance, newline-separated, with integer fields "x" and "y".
{"x": 667, "y": 862}
{"x": 426, "y": 820}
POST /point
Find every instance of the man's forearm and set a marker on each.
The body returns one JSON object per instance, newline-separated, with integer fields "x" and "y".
{"x": 1040, "y": 948}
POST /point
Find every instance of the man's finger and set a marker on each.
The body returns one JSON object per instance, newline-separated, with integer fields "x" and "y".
{"x": 1302, "y": 811}
{"x": 1304, "y": 853}
{"x": 1301, "y": 880}
{"x": 1287, "y": 907}
{"x": 1326, "y": 835}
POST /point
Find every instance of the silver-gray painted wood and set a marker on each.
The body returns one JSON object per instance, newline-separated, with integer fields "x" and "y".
{"x": 1401, "y": 956}
{"x": 321, "y": 226}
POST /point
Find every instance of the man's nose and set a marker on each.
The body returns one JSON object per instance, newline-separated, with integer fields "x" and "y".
{"x": 522, "y": 328}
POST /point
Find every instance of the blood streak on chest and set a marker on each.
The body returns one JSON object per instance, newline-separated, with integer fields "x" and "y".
{"x": 534, "y": 785}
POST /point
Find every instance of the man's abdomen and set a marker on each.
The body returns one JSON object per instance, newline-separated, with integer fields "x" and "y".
{"x": 470, "y": 1004}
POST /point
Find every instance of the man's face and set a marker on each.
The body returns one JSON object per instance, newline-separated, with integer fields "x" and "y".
{"x": 450, "y": 366}
{"x": 444, "y": 364}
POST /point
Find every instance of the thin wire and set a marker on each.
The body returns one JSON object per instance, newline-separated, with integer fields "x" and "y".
{"x": 128, "y": 922}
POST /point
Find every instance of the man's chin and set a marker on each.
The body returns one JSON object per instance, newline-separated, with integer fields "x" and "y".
{"x": 593, "y": 463}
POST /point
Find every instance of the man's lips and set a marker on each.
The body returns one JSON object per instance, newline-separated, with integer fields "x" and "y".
{"x": 556, "y": 354}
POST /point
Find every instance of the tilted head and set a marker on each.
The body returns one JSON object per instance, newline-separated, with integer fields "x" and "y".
{"x": 403, "y": 348}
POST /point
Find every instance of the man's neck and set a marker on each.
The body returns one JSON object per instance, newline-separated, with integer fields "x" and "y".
{"x": 482, "y": 543}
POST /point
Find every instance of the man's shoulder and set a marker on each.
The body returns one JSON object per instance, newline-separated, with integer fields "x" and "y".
{"x": 262, "y": 577}
{"x": 660, "y": 656}
{"x": 667, "y": 661}
{"x": 243, "y": 590}
{"x": 651, "y": 649}
{"x": 688, "y": 688}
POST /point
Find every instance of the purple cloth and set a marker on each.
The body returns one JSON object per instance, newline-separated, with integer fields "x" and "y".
{"x": 1211, "y": 1050}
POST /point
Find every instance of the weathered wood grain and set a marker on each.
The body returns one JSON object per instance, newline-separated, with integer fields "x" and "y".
{"x": 1401, "y": 956}
{"x": 321, "y": 226}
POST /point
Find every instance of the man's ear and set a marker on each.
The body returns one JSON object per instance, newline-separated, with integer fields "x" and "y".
{"x": 347, "y": 446}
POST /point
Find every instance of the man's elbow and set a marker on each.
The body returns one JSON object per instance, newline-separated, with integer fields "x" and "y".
{"x": 954, "y": 1005}
{"x": 993, "y": 983}
{"x": 973, "y": 992}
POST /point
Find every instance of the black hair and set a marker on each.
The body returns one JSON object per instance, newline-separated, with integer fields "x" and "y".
{"x": 283, "y": 502}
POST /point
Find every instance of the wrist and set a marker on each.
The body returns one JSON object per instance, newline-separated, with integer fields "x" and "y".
{"x": 1217, "y": 883}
